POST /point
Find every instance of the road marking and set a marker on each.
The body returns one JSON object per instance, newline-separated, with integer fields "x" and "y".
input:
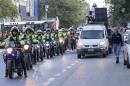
{"x": 64, "y": 71}
{"x": 68, "y": 67}
{"x": 46, "y": 83}
{"x": 51, "y": 79}
{"x": 72, "y": 64}
{"x": 36, "y": 78}
{"x": 58, "y": 74}
{"x": 76, "y": 61}
{"x": 34, "y": 74}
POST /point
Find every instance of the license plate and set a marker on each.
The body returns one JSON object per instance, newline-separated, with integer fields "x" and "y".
{"x": 90, "y": 50}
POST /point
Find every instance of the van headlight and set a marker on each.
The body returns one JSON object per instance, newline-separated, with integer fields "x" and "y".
{"x": 9, "y": 50}
{"x": 102, "y": 45}
{"x": 38, "y": 46}
{"x": 26, "y": 47}
{"x": 79, "y": 45}
{"x": 61, "y": 41}
{"x": 47, "y": 44}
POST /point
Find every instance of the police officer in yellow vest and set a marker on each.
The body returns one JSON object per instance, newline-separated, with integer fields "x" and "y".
{"x": 39, "y": 36}
{"x": 48, "y": 35}
{"x": 65, "y": 34}
{"x": 60, "y": 34}
{"x": 29, "y": 33}
{"x": 2, "y": 42}
{"x": 19, "y": 42}
{"x": 43, "y": 37}
{"x": 48, "y": 38}
{"x": 53, "y": 35}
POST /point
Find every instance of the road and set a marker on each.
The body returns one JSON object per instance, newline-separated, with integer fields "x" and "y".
{"x": 67, "y": 70}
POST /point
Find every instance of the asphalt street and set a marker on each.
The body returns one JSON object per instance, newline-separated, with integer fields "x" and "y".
{"x": 67, "y": 70}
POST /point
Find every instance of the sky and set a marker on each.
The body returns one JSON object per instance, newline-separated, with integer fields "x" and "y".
{"x": 100, "y": 3}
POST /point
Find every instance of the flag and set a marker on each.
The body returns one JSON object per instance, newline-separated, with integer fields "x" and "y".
{"x": 54, "y": 24}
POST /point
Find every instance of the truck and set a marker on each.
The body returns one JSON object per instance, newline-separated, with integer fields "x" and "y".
{"x": 99, "y": 16}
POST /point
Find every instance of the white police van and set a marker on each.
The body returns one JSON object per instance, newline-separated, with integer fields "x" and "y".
{"x": 93, "y": 41}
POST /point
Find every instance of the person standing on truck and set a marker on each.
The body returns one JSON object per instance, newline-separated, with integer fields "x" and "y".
{"x": 117, "y": 42}
{"x": 93, "y": 10}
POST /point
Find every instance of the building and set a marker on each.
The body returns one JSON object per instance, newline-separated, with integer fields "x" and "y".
{"x": 28, "y": 10}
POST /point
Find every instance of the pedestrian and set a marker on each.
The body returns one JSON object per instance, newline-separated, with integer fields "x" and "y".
{"x": 117, "y": 42}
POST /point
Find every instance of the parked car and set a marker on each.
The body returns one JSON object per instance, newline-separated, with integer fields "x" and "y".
{"x": 93, "y": 41}
{"x": 126, "y": 48}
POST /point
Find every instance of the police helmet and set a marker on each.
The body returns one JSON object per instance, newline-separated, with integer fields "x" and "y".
{"x": 48, "y": 30}
{"x": 39, "y": 31}
{"x": 60, "y": 30}
{"x": 14, "y": 29}
{"x": 29, "y": 29}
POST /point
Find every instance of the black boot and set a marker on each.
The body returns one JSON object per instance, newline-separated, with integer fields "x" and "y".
{"x": 117, "y": 60}
{"x": 25, "y": 75}
{"x": 6, "y": 73}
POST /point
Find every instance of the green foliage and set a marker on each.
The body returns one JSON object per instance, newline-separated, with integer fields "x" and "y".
{"x": 7, "y": 9}
{"x": 120, "y": 11}
{"x": 70, "y": 12}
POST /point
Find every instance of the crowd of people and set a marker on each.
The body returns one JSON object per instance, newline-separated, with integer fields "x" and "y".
{"x": 41, "y": 44}
{"x": 44, "y": 44}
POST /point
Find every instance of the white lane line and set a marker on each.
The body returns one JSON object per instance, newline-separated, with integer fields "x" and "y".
{"x": 46, "y": 83}
{"x": 34, "y": 74}
{"x": 76, "y": 61}
{"x": 72, "y": 64}
{"x": 51, "y": 79}
{"x": 64, "y": 71}
{"x": 36, "y": 78}
{"x": 68, "y": 67}
{"x": 35, "y": 69}
{"x": 58, "y": 74}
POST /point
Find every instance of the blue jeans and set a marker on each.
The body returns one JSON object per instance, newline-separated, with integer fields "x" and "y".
{"x": 117, "y": 49}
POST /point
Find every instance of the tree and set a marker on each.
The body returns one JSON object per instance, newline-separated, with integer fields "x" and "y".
{"x": 120, "y": 11}
{"x": 70, "y": 12}
{"x": 7, "y": 9}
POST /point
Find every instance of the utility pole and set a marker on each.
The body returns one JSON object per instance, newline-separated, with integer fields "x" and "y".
{"x": 46, "y": 9}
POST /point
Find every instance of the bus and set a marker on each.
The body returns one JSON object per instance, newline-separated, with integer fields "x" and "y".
{"x": 43, "y": 25}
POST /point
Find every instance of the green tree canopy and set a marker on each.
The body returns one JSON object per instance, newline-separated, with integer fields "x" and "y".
{"x": 70, "y": 12}
{"x": 120, "y": 11}
{"x": 7, "y": 9}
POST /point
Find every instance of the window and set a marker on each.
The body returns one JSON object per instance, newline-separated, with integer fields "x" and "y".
{"x": 92, "y": 34}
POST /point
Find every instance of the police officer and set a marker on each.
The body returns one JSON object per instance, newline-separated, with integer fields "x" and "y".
{"x": 39, "y": 37}
{"x": 56, "y": 36}
{"x": 48, "y": 38}
{"x": 60, "y": 34}
{"x": 43, "y": 39}
{"x": 53, "y": 39}
{"x": 66, "y": 38}
{"x": 2, "y": 42}
{"x": 61, "y": 37}
{"x": 15, "y": 37}
{"x": 31, "y": 34}
{"x": 48, "y": 35}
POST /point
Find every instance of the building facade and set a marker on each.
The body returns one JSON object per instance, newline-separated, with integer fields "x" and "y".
{"x": 27, "y": 9}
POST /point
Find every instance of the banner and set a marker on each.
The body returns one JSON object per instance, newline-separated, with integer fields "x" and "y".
{"x": 54, "y": 24}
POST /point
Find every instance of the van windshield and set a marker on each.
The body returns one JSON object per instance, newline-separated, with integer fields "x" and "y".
{"x": 92, "y": 34}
